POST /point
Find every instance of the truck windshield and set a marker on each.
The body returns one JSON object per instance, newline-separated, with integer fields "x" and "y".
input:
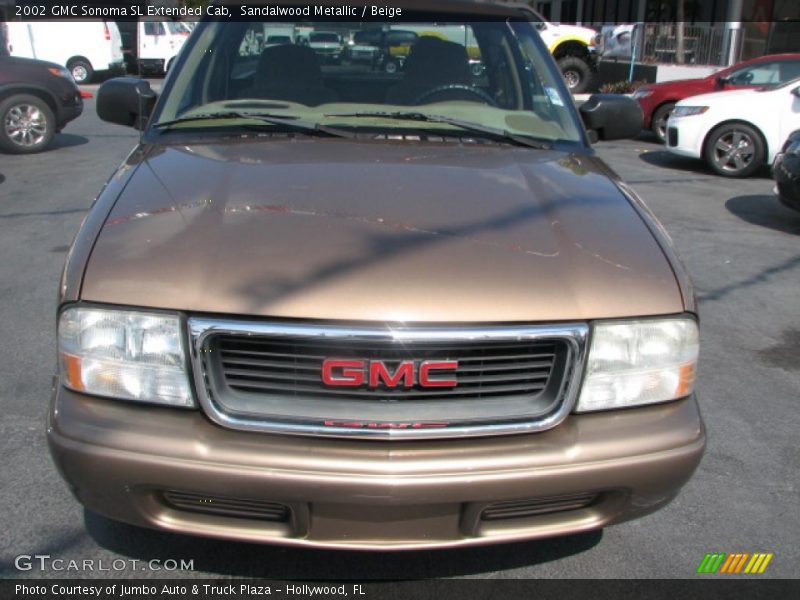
{"x": 494, "y": 74}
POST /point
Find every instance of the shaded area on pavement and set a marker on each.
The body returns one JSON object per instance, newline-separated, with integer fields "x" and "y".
{"x": 667, "y": 160}
{"x": 67, "y": 140}
{"x": 765, "y": 211}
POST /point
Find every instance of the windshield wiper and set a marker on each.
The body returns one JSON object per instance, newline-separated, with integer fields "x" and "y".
{"x": 289, "y": 121}
{"x": 421, "y": 117}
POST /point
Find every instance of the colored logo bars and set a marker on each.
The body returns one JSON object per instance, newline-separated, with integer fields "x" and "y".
{"x": 742, "y": 562}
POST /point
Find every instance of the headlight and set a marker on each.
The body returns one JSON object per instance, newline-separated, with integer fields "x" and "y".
{"x": 639, "y": 362}
{"x": 60, "y": 72}
{"x": 688, "y": 111}
{"x": 124, "y": 354}
{"x": 640, "y": 93}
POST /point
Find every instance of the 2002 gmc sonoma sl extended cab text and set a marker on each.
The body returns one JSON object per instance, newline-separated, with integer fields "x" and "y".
{"x": 331, "y": 306}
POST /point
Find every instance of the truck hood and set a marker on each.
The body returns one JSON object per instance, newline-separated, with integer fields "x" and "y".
{"x": 584, "y": 33}
{"x": 378, "y": 231}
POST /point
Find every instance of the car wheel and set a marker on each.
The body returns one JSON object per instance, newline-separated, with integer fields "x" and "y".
{"x": 734, "y": 150}
{"x": 391, "y": 66}
{"x": 81, "y": 71}
{"x": 658, "y": 123}
{"x": 27, "y": 124}
{"x": 575, "y": 72}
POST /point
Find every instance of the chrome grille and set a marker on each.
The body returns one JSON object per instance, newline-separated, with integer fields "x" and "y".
{"x": 293, "y": 367}
{"x": 265, "y": 376}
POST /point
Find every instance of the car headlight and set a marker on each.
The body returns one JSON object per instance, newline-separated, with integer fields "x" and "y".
{"x": 60, "y": 72}
{"x": 124, "y": 354}
{"x": 688, "y": 111}
{"x": 634, "y": 363}
{"x": 640, "y": 93}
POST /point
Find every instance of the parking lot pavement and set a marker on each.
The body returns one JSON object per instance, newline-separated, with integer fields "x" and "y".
{"x": 739, "y": 244}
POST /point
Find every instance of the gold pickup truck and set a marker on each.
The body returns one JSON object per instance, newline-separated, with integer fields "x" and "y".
{"x": 373, "y": 311}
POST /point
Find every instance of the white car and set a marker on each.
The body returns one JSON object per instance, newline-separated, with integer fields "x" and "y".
{"x": 735, "y": 132}
{"x": 83, "y": 47}
{"x": 327, "y": 44}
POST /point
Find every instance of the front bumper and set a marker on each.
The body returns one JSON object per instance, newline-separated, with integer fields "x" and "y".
{"x": 691, "y": 134}
{"x": 648, "y": 106}
{"x": 787, "y": 181}
{"x": 595, "y": 54}
{"x": 120, "y": 458}
{"x": 69, "y": 113}
{"x": 117, "y": 67}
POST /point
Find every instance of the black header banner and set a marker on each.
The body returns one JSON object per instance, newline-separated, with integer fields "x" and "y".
{"x": 32, "y": 10}
{"x": 317, "y": 10}
{"x": 314, "y": 10}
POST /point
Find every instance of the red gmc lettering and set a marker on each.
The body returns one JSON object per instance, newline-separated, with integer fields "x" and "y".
{"x": 437, "y": 365}
{"x": 354, "y": 373}
{"x": 351, "y": 373}
{"x": 378, "y": 371}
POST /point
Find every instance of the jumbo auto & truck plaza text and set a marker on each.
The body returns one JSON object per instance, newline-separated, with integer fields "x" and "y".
{"x": 245, "y": 589}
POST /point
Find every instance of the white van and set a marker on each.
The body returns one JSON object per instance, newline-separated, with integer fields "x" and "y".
{"x": 151, "y": 46}
{"x": 84, "y": 47}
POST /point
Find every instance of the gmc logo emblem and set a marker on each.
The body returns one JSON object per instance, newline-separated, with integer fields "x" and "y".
{"x": 355, "y": 373}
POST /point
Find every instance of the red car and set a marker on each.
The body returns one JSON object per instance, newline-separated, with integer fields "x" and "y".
{"x": 657, "y": 100}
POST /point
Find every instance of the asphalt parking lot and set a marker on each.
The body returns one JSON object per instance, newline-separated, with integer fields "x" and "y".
{"x": 739, "y": 244}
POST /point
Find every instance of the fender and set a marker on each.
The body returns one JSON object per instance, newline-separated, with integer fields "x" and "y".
{"x": 567, "y": 38}
{"x": 29, "y": 88}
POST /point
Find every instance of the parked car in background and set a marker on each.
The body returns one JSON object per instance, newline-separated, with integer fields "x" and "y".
{"x": 398, "y": 42}
{"x": 617, "y": 40}
{"x": 83, "y": 47}
{"x": 150, "y": 47}
{"x": 737, "y": 132}
{"x": 37, "y": 99}
{"x": 387, "y": 311}
{"x": 575, "y": 49}
{"x": 277, "y": 40}
{"x": 395, "y": 46}
{"x": 327, "y": 45}
{"x": 786, "y": 172}
{"x": 658, "y": 99}
{"x": 364, "y": 46}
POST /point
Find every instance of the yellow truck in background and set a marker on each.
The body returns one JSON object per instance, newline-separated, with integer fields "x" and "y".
{"x": 575, "y": 49}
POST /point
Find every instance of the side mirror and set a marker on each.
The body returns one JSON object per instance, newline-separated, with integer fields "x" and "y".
{"x": 612, "y": 117}
{"x": 721, "y": 81}
{"x": 796, "y": 92}
{"x": 126, "y": 101}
